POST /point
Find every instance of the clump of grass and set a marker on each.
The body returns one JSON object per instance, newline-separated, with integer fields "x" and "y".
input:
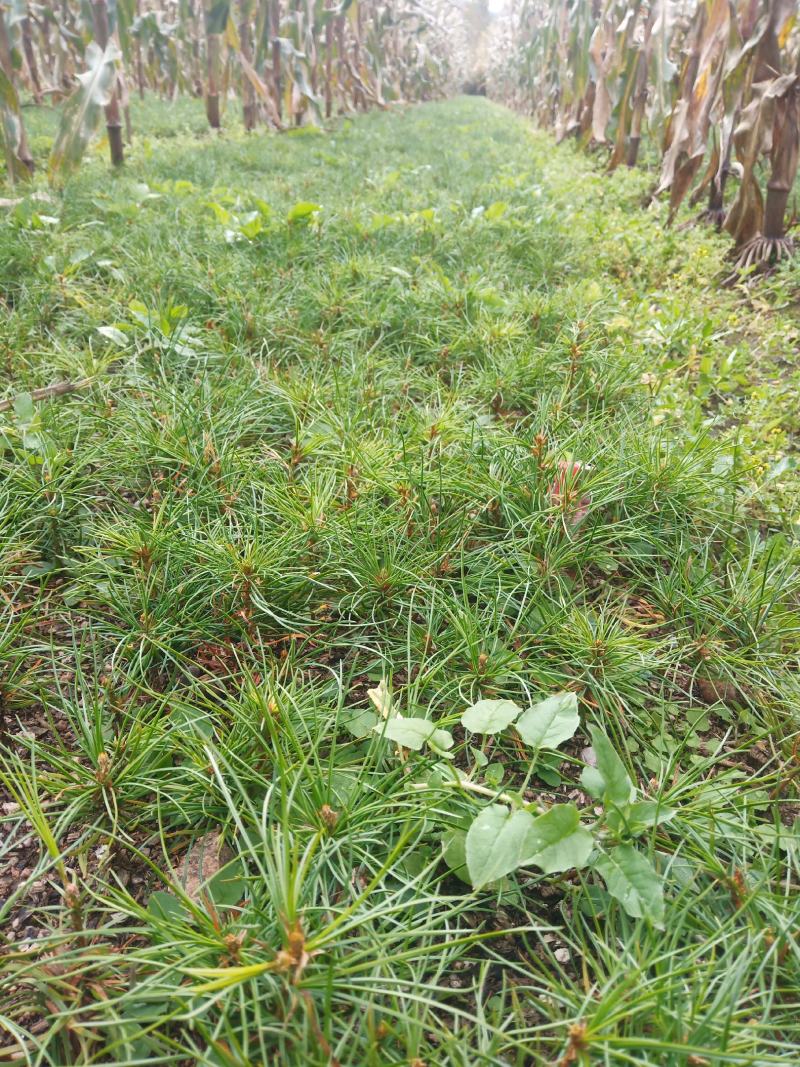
{"x": 464, "y": 428}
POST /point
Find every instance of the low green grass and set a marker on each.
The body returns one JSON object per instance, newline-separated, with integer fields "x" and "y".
{"x": 329, "y": 383}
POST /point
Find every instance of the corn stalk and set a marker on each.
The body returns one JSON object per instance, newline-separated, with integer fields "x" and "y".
{"x": 702, "y": 81}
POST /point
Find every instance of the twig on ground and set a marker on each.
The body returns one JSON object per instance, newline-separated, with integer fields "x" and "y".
{"x": 48, "y": 391}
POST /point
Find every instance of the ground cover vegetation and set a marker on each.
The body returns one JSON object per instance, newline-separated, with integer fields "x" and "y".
{"x": 400, "y": 608}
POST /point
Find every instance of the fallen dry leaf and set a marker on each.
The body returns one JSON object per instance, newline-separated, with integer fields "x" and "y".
{"x": 206, "y": 856}
{"x": 714, "y": 690}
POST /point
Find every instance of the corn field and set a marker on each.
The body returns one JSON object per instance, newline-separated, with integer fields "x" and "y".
{"x": 287, "y": 62}
{"x": 709, "y": 91}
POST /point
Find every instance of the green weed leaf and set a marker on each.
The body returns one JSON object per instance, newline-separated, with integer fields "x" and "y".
{"x": 167, "y": 907}
{"x": 550, "y": 722}
{"x": 496, "y": 210}
{"x": 303, "y": 210}
{"x": 608, "y": 781}
{"x": 113, "y": 334}
{"x": 498, "y": 841}
{"x": 414, "y": 733}
{"x": 632, "y": 880}
{"x": 558, "y": 840}
{"x": 454, "y": 853}
{"x": 639, "y": 816}
{"x": 490, "y": 716}
{"x": 359, "y": 722}
{"x": 24, "y": 409}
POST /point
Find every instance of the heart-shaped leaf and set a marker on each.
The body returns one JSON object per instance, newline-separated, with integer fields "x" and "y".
{"x": 490, "y": 716}
{"x": 360, "y": 722}
{"x": 166, "y": 907}
{"x": 303, "y": 210}
{"x": 413, "y": 733}
{"x": 550, "y": 722}
{"x": 559, "y": 841}
{"x": 631, "y": 878}
{"x": 498, "y": 841}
